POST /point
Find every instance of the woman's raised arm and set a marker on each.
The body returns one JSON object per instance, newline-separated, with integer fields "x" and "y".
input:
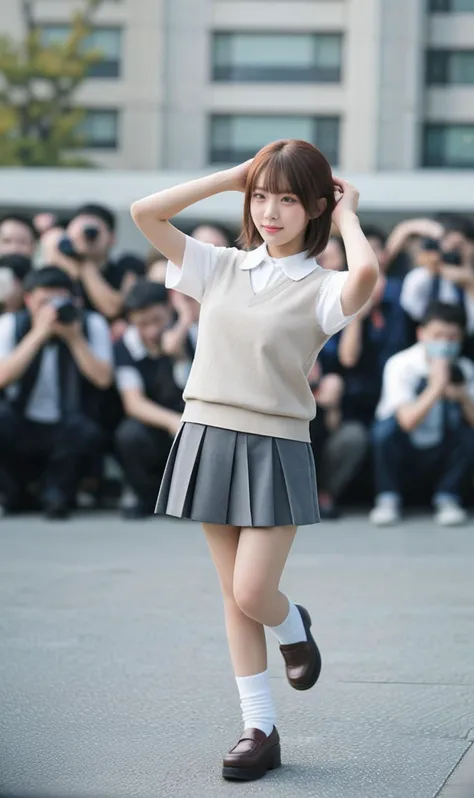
{"x": 151, "y": 214}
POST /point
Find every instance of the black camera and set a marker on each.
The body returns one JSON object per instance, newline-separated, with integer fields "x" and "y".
{"x": 66, "y": 310}
{"x": 457, "y": 376}
{"x": 91, "y": 233}
{"x": 66, "y": 246}
{"x": 453, "y": 258}
{"x": 429, "y": 245}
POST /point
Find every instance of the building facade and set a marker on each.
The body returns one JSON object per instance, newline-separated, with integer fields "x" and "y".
{"x": 384, "y": 87}
{"x": 184, "y": 84}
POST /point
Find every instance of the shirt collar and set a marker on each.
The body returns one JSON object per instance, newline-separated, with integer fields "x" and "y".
{"x": 296, "y": 267}
{"x": 134, "y": 343}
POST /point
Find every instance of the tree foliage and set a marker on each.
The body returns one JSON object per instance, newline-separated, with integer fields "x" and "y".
{"x": 38, "y": 82}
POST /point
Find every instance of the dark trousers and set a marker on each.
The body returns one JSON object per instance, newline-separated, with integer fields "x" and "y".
{"x": 143, "y": 452}
{"x": 398, "y": 463}
{"x": 57, "y": 454}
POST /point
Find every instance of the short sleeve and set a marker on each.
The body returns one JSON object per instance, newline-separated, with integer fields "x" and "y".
{"x": 100, "y": 340}
{"x": 415, "y": 292}
{"x": 199, "y": 263}
{"x": 329, "y": 313}
{"x": 398, "y": 387}
{"x": 128, "y": 378}
{"x": 7, "y": 334}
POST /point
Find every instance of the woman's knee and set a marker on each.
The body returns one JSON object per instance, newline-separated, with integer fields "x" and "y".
{"x": 250, "y": 595}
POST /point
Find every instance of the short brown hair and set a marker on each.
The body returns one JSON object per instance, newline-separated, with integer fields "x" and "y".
{"x": 300, "y": 168}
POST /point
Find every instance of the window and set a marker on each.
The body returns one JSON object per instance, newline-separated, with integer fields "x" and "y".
{"x": 234, "y": 139}
{"x": 450, "y": 146}
{"x": 106, "y": 41}
{"x": 100, "y": 129}
{"x": 451, "y": 5}
{"x": 272, "y": 57}
{"x": 450, "y": 67}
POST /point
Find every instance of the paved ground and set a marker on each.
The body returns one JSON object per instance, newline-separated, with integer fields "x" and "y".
{"x": 115, "y": 680}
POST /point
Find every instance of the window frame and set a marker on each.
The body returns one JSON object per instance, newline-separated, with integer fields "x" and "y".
{"x": 103, "y": 145}
{"x": 230, "y": 157}
{"x": 441, "y": 163}
{"x": 445, "y": 54}
{"x": 106, "y": 68}
{"x": 243, "y": 73}
{"x": 446, "y": 7}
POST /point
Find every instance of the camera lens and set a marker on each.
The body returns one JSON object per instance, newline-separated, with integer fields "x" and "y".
{"x": 91, "y": 232}
{"x": 66, "y": 311}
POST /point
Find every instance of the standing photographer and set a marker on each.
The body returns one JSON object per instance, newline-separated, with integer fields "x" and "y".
{"x": 53, "y": 364}
{"x": 444, "y": 274}
{"x": 425, "y": 420}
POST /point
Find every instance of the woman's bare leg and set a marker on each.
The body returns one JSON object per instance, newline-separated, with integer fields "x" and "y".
{"x": 260, "y": 558}
{"x": 246, "y": 636}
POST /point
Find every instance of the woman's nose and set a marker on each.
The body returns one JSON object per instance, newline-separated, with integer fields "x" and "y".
{"x": 271, "y": 211}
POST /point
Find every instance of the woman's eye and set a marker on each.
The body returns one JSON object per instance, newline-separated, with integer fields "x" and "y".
{"x": 258, "y": 196}
{"x": 289, "y": 200}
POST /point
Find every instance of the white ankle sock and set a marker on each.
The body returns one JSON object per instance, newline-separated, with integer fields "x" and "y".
{"x": 256, "y": 702}
{"x": 292, "y": 629}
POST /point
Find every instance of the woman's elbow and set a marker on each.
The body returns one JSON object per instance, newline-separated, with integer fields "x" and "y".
{"x": 136, "y": 210}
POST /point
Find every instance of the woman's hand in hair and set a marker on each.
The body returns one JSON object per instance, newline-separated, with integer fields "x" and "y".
{"x": 347, "y": 200}
{"x": 238, "y": 176}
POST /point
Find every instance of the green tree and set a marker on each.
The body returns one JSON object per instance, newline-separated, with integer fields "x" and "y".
{"x": 38, "y": 82}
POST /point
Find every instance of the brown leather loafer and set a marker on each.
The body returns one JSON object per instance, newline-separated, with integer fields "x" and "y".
{"x": 302, "y": 660}
{"x": 252, "y": 756}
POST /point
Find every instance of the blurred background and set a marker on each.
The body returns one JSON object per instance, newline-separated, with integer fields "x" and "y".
{"x": 106, "y": 101}
{"x": 171, "y": 88}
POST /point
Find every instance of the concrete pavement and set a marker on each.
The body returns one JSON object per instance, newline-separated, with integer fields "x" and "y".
{"x": 115, "y": 679}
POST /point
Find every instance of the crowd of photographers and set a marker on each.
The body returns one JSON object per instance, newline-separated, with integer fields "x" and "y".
{"x": 95, "y": 352}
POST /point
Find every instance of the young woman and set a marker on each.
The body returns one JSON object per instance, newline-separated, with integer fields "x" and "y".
{"x": 241, "y": 463}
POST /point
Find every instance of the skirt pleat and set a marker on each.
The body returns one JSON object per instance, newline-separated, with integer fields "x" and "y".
{"x": 214, "y": 477}
{"x": 240, "y": 508}
{"x": 220, "y": 476}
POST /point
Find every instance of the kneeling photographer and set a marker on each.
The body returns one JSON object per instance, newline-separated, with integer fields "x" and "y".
{"x": 54, "y": 362}
{"x": 424, "y": 433}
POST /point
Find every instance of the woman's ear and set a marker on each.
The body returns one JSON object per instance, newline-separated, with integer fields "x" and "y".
{"x": 321, "y": 206}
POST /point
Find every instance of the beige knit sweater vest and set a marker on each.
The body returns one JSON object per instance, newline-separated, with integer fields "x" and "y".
{"x": 254, "y": 353}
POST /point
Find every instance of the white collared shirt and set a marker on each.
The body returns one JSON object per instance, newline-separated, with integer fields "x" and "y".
{"x": 44, "y": 402}
{"x": 200, "y": 261}
{"x": 415, "y": 295}
{"x": 402, "y": 376}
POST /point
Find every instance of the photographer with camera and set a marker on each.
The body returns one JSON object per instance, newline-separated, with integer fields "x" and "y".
{"x": 151, "y": 398}
{"x": 54, "y": 362}
{"x": 425, "y": 420}
{"x": 83, "y": 250}
{"x": 445, "y": 273}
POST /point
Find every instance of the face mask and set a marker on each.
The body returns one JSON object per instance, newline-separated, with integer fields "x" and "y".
{"x": 443, "y": 349}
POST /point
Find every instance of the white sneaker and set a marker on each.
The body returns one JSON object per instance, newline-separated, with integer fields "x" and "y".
{"x": 385, "y": 513}
{"x": 450, "y": 513}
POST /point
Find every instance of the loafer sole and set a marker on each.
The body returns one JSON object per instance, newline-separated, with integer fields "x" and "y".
{"x": 316, "y": 672}
{"x": 272, "y": 761}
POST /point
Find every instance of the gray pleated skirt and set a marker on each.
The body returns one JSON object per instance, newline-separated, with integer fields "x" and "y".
{"x": 218, "y": 476}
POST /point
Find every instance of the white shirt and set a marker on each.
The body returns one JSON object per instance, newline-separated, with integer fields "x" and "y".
{"x": 200, "y": 260}
{"x": 415, "y": 295}
{"x": 402, "y": 375}
{"x": 44, "y": 403}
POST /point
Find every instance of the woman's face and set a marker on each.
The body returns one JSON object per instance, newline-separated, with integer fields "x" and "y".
{"x": 280, "y": 219}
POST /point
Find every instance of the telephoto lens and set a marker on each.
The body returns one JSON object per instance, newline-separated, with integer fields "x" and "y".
{"x": 66, "y": 247}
